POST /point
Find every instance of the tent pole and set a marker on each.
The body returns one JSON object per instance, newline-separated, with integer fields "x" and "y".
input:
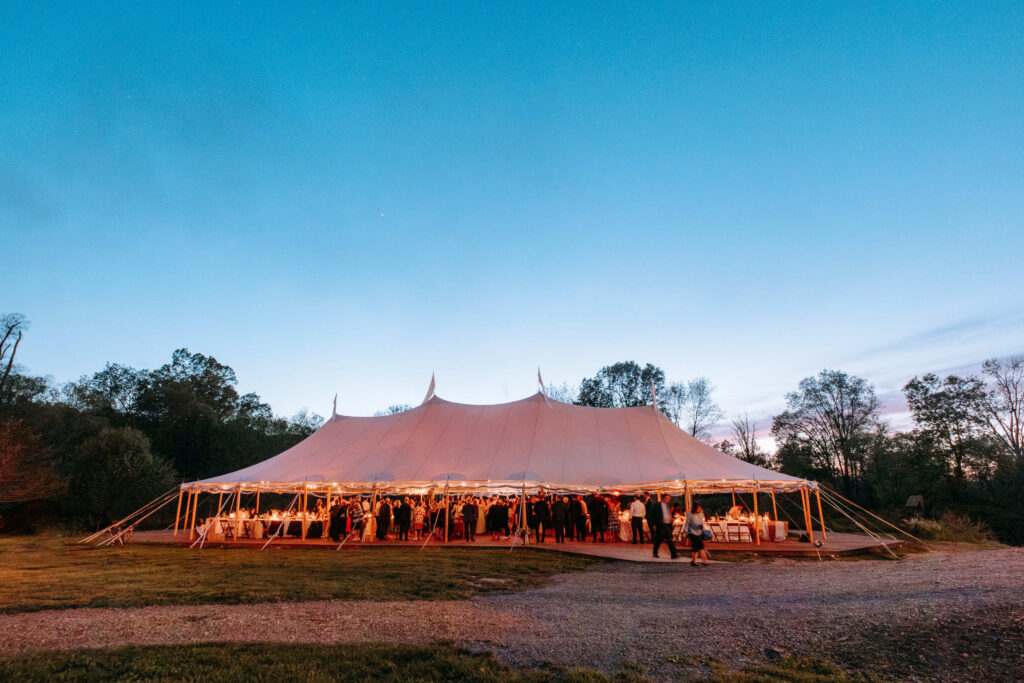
{"x": 757, "y": 521}
{"x": 734, "y": 497}
{"x": 806, "y": 501}
{"x": 775, "y": 510}
{"x": 177, "y": 515}
{"x": 305, "y": 520}
{"x": 257, "y": 501}
{"x": 220, "y": 500}
{"x": 447, "y": 513}
{"x": 522, "y": 519}
{"x": 192, "y": 526}
{"x": 821, "y": 515}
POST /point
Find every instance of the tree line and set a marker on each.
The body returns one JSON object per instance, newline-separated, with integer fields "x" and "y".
{"x": 99, "y": 447}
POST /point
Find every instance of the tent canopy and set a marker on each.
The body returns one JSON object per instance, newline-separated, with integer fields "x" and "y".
{"x": 532, "y": 443}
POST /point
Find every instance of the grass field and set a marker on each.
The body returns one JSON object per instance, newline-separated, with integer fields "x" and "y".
{"x": 269, "y": 662}
{"x": 38, "y": 573}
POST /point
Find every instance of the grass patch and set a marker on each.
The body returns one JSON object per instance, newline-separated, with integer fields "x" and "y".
{"x": 38, "y": 573}
{"x": 363, "y": 662}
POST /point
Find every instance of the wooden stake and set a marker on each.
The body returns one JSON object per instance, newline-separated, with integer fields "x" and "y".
{"x": 775, "y": 510}
{"x": 177, "y": 514}
{"x": 821, "y": 516}
{"x": 757, "y": 522}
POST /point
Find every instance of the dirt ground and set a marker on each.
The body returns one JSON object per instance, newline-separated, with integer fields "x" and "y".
{"x": 950, "y": 616}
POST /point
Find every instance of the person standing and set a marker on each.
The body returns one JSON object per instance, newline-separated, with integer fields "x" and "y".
{"x": 383, "y": 519}
{"x": 637, "y": 510}
{"x": 694, "y": 530}
{"x": 598, "y": 516}
{"x": 469, "y": 516}
{"x": 542, "y": 509}
{"x": 663, "y": 534}
{"x": 560, "y": 518}
{"x": 403, "y": 518}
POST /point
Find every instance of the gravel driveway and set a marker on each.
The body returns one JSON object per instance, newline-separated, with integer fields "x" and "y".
{"x": 954, "y": 617}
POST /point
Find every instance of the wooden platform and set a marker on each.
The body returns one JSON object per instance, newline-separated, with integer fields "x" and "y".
{"x": 837, "y": 544}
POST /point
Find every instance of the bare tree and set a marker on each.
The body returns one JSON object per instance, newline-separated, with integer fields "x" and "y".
{"x": 699, "y": 411}
{"x": 1003, "y": 407}
{"x": 393, "y": 410}
{"x": 12, "y": 326}
{"x": 562, "y": 392}
{"x": 744, "y": 433}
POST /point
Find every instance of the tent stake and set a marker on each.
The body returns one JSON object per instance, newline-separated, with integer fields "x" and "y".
{"x": 177, "y": 514}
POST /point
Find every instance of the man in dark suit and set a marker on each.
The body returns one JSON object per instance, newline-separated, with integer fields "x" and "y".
{"x": 664, "y": 529}
{"x": 542, "y": 511}
{"x": 383, "y": 519}
{"x": 577, "y": 519}
{"x": 403, "y": 519}
{"x": 470, "y": 513}
{"x": 598, "y": 516}
{"x": 652, "y": 515}
{"x": 560, "y": 518}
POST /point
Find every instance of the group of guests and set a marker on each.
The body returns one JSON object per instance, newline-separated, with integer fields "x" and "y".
{"x": 565, "y": 517}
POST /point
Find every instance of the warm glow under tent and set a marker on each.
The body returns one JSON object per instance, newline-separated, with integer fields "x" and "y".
{"x": 532, "y": 443}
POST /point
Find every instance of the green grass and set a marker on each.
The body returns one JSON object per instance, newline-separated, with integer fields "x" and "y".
{"x": 38, "y": 573}
{"x": 366, "y": 662}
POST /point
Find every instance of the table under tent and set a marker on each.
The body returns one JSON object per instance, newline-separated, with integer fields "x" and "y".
{"x": 537, "y": 444}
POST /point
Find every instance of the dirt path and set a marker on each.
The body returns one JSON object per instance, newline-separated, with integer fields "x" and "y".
{"x": 956, "y": 617}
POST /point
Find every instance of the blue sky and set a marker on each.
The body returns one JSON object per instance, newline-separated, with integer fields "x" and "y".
{"x": 335, "y": 199}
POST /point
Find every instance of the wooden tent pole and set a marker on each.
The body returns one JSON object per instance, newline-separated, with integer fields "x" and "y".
{"x": 447, "y": 514}
{"x": 522, "y": 519}
{"x": 806, "y": 502}
{"x": 821, "y": 515}
{"x": 239, "y": 525}
{"x": 177, "y": 514}
{"x": 775, "y": 510}
{"x": 195, "y": 506}
{"x": 220, "y": 502}
{"x": 305, "y": 508}
{"x": 734, "y": 497}
{"x": 757, "y": 521}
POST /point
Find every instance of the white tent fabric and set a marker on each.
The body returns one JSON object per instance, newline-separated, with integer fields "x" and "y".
{"x": 534, "y": 442}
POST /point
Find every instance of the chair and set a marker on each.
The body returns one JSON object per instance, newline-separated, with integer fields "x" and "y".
{"x": 717, "y": 534}
{"x": 738, "y": 533}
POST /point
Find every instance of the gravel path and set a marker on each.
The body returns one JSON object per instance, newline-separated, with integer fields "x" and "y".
{"x": 954, "y": 617}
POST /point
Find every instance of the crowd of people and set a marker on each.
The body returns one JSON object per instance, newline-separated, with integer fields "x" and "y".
{"x": 557, "y": 517}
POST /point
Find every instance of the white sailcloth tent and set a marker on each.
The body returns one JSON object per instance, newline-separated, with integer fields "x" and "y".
{"x": 528, "y": 444}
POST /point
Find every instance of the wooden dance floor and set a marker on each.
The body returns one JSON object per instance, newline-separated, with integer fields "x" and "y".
{"x": 837, "y": 544}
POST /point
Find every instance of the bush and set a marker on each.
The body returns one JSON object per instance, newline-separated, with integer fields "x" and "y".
{"x": 950, "y": 527}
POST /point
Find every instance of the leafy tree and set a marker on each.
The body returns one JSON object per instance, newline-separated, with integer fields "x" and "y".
{"x": 27, "y": 469}
{"x": 828, "y": 425}
{"x": 622, "y": 385}
{"x": 948, "y": 409}
{"x": 116, "y": 473}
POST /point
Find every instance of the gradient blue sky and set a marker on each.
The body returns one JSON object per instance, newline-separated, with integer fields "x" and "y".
{"x": 345, "y": 199}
